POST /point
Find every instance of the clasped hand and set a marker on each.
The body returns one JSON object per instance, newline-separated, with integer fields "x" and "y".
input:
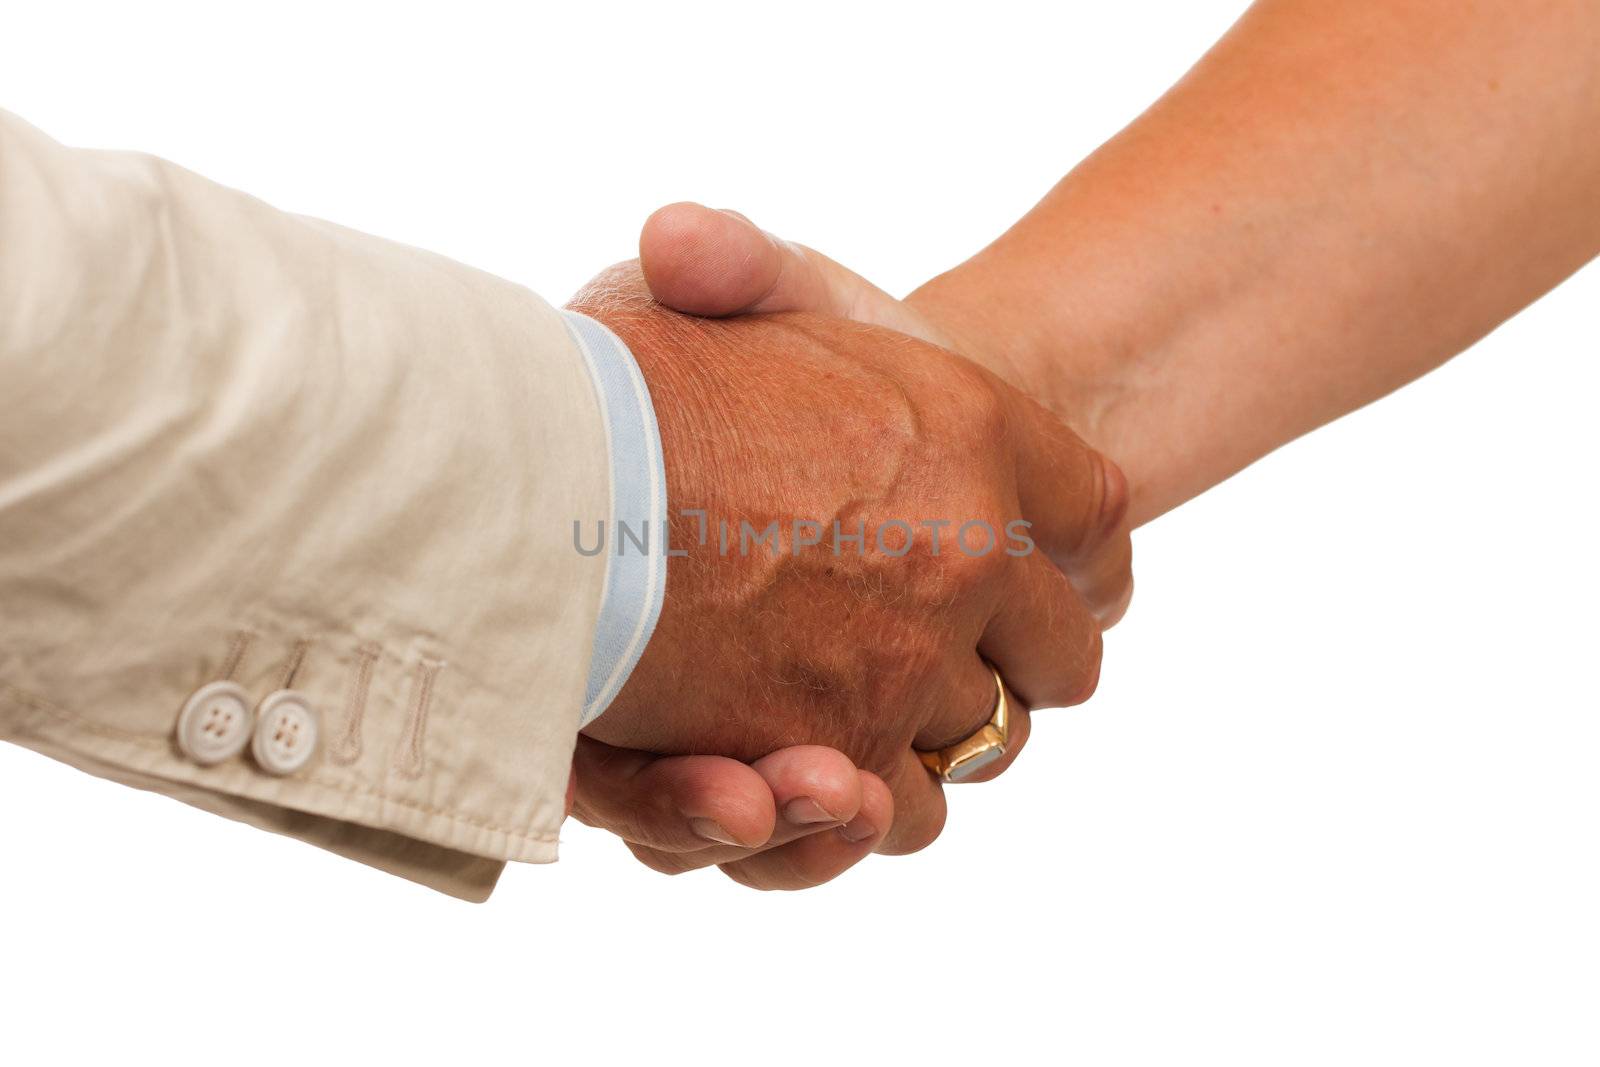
{"x": 918, "y": 518}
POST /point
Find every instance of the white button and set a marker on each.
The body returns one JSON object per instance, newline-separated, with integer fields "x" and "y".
{"x": 286, "y": 732}
{"x": 215, "y": 722}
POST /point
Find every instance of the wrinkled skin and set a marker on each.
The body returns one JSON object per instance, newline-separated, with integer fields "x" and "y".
{"x": 802, "y": 416}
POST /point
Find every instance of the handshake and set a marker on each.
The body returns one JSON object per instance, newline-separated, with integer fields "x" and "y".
{"x": 885, "y": 554}
{"x": 887, "y": 530}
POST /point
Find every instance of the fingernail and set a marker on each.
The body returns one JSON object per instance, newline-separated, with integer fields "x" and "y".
{"x": 857, "y": 830}
{"x": 712, "y": 830}
{"x": 803, "y": 811}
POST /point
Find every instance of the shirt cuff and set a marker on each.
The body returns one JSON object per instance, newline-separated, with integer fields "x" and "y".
{"x": 636, "y": 564}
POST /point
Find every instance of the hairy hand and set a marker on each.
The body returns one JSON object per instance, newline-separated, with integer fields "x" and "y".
{"x": 819, "y": 430}
{"x": 718, "y": 263}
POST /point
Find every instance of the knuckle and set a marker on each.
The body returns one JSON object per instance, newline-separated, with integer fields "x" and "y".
{"x": 969, "y": 406}
{"x": 975, "y": 558}
{"x": 987, "y": 411}
{"x": 1086, "y": 678}
{"x": 980, "y": 424}
{"x": 1076, "y": 648}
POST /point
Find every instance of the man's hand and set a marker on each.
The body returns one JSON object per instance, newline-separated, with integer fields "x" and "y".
{"x": 717, "y": 264}
{"x": 875, "y": 647}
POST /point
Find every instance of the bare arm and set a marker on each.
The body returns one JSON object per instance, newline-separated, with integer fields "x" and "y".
{"x": 1336, "y": 199}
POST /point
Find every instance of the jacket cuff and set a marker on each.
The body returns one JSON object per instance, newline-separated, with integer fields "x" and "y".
{"x": 288, "y": 515}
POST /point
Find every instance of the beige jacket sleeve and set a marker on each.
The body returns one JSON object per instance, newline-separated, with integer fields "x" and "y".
{"x": 324, "y": 480}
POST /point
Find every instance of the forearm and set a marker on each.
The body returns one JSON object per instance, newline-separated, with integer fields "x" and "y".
{"x": 285, "y": 516}
{"x": 1335, "y": 200}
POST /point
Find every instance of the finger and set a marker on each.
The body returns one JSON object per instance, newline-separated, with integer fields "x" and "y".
{"x": 813, "y": 788}
{"x": 1105, "y": 579}
{"x": 919, "y": 808}
{"x": 811, "y": 785}
{"x": 1075, "y": 501}
{"x": 1021, "y": 727}
{"x": 706, "y": 262}
{"x": 822, "y": 857}
{"x": 972, "y": 706}
{"x": 1043, "y": 639}
{"x": 673, "y": 803}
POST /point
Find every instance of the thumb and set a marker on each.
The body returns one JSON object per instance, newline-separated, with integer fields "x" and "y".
{"x": 714, "y": 263}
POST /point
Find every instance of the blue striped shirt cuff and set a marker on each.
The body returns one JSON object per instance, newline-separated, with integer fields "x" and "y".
{"x": 636, "y": 579}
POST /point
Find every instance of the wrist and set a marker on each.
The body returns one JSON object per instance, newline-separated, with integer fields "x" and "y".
{"x": 978, "y": 310}
{"x": 1080, "y": 362}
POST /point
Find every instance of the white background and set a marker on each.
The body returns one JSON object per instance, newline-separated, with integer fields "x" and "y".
{"x": 1337, "y": 798}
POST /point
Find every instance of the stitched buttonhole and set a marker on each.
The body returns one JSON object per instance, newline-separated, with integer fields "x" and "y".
{"x": 408, "y": 760}
{"x": 236, "y": 650}
{"x": 291, "y": 667}
{"x": 348, "y": 748}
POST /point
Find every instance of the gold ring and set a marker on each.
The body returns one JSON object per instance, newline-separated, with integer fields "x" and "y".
{"x": 965, "y": 758}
